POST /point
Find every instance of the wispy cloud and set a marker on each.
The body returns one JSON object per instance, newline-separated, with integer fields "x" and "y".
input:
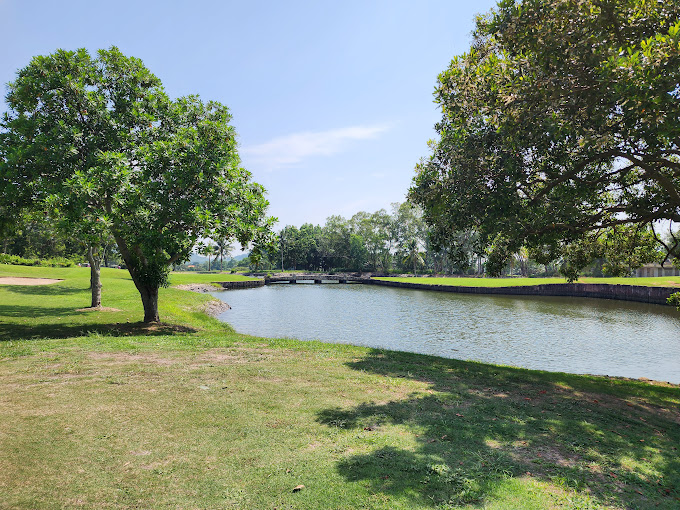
{"x": 291, "y": 149}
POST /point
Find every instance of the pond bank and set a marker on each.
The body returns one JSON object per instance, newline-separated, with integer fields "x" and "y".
{"x": 212, "y": 308}
{"x": 651, "y": 294}
{"x": 637, "y": 293}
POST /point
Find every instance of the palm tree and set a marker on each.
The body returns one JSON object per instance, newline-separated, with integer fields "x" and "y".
{"x": 208, "y": 250}
{"x": 522, "y": 258}
{"x": 414, "y": 255}
{"x": 222, "y": 247}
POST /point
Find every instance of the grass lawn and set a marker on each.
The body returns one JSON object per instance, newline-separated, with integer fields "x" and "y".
{"x": 667, "y": 281}
{"x": 99, "y": 411}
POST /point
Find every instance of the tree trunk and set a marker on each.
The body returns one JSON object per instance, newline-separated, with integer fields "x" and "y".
{"x": 148, "y": 293}
{"x": 150, "y": 303}
{"x": 94, "y": 259}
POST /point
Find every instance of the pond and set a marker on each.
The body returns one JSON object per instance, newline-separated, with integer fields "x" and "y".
{"x": 577, "y": 335}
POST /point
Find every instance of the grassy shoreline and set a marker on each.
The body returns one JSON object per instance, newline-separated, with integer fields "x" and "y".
{"x": 98, "y": 411}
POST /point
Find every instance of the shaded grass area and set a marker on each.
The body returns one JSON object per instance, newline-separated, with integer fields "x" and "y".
{"x": 485, "y": 429}
{"x": 666, "y": 281}
{"x": 194, "y": 415}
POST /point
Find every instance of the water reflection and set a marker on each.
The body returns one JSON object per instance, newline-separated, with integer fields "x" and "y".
{"x": 550, "y": 333}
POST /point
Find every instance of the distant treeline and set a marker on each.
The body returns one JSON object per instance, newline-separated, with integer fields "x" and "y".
{"x": 400, "y": 241}
{"x": 378, "y": 242}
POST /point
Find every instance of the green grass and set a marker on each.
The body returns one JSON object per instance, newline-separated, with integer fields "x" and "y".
{"x": 96, "y": 412}
{"x": 667, "y": 281}
{"x": 178, "y": 278}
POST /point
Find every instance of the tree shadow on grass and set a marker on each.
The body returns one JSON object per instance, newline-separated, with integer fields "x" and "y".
{"x": 70, "y": 327}
{"x": 35, "y": 312}
{"x": 480, "y": 426}
{"x": 13, "y": 332}
{"x": 53, "y": 289}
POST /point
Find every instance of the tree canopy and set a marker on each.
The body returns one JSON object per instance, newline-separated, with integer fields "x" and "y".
{"x": 97, "y": 143}
{"x": 560, "y": 122}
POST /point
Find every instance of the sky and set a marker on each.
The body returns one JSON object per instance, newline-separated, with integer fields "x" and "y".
{"x": 332, "y": 101}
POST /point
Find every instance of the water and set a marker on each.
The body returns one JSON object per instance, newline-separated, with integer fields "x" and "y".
{"x": 592, "y": 336}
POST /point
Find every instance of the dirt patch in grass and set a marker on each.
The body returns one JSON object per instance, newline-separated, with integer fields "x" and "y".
{"x": 98, "y": 309}
{"x": 126, "y": 357}
{"x": 219, "y": 355}
{"x": 550, "y": 454}
{"x": 214, "y": 357}
{"x": 20, "y": 280}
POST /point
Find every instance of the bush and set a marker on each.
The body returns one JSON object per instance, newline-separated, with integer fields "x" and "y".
{"x": 15, "y": 260}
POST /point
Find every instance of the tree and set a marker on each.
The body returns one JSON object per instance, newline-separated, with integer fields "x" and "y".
{"x": 560, "y": 121}
{"x": 522, "y": 260}
{"x": 357, "y": 252}
{"x": 222, "y": 247}
{"x": 374, "y": 229}
{"x": 32, "y": 235}
{"x": 413, "y": 255}
{"x": 98, "y": 141}
{"x": 335, "y": 242}
{"x": 208, "y": 250}
{"x": 309, "y": 240}
{"x": 293, "y": 253}
{"x": 409, "y": 232}
{"x": 622, "y": 249}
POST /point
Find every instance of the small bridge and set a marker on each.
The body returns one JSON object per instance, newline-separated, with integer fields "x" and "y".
{"x": 316, "y": 278}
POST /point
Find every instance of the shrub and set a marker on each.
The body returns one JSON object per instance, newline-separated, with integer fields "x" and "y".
{"x": 15, "y": 260}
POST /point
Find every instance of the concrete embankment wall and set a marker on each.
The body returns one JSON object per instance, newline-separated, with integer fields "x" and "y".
{"x": 246, "y": 284}
{"x": 655, "y": 295}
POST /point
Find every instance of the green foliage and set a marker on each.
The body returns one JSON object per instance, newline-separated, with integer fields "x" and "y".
{"x": 623, "y": 249}
{"x": 674, "y": 300}
{"x": 98, "y": 144}
{"x": 52, "y": 262}
{"x": 300, "y": 248}
{"x": 560, "y": 120}
{"x": 358, "y": 254}
{"x": 36, "y": 236}
{"x": 628, "y": 247}
{"x": 413, "y": 255}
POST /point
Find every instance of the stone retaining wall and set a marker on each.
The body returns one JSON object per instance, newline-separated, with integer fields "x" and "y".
{"x": 655, "y": 295}
{"x": 245, "y": 284}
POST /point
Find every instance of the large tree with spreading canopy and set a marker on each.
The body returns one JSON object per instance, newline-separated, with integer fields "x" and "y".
{"x": 562, "y": 121}
{"x": 96, "y": 143}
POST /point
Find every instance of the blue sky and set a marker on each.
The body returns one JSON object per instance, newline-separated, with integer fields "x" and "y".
{"x": 332, "y": 100}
